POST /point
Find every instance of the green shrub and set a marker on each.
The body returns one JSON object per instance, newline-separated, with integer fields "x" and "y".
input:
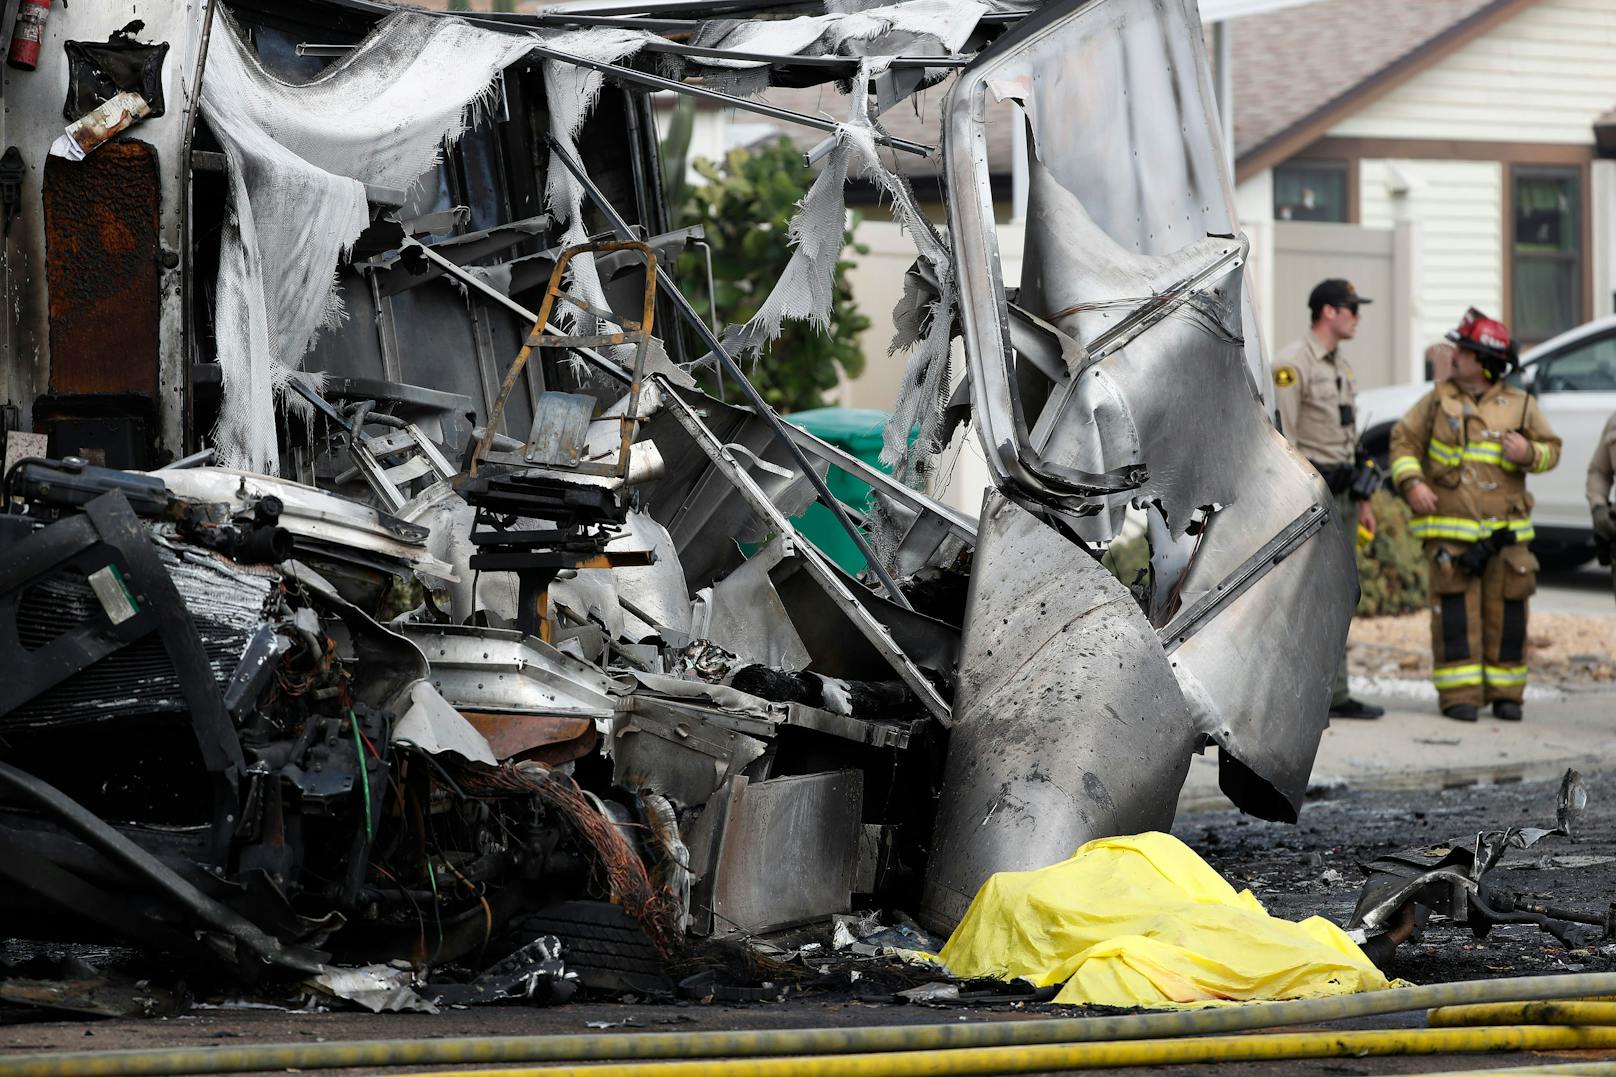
{"x": 746, "y": 207}
{"x": 1391, "y": 569}
{"x": 1129, "y": 561}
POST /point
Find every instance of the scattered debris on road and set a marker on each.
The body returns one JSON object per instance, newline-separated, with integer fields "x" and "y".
{"x": 1404, "y": 889}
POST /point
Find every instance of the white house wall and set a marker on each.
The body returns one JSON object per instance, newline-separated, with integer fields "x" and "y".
{"x": 1254, "y": 203}
{"x": 1602, "y": 194}
{"x": 1457, "y": 207}
{"x": 1541, "y": 76}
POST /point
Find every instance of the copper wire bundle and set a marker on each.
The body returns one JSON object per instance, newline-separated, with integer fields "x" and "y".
{"x": 625, "y": 872}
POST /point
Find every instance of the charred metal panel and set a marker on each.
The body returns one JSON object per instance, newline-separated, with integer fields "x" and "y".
{"x": 1068, "y": 722}
{"x": 102, "y": 251}
{"x": 1131, "y": 260}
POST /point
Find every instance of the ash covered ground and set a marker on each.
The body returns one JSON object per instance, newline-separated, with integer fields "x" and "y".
{"x": 1313, "y": 867}
{"x": 1297, "y": 871}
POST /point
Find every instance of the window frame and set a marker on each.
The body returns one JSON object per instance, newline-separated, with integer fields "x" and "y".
{"x": 1347, "y": 167}
{"x": 1581, "y": 261}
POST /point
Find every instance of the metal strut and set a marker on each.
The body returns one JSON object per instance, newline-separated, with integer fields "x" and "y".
{"x": 731, "y": 369}
{"x": 637, "y": 333}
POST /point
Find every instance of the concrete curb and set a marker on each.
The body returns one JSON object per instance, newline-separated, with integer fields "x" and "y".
{"x": 1414, "y": 747}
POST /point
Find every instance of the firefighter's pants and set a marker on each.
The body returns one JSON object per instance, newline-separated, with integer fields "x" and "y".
{"x": 1478, "y": 624}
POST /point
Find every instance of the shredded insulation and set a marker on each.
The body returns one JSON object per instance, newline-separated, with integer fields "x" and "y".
{"x": 299, "y": 157}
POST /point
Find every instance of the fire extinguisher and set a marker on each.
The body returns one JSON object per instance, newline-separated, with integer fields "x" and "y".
{"x": 28, "y": 33}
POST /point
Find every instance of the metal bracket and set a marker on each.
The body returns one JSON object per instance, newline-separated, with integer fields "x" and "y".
{"x": 12, "y": 171}
{"x": 637, "y": 333}
{"x": 738, "y": 477}
{"x": 1186, "y": 624}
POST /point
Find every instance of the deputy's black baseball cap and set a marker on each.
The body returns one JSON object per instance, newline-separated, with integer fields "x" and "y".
{"x": 1334, "y": 292}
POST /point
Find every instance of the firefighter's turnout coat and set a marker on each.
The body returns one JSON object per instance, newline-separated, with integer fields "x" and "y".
{"x": 1454, "y": 443}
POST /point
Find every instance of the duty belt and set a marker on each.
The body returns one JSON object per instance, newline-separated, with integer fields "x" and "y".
{"x": 1338, "y": 477}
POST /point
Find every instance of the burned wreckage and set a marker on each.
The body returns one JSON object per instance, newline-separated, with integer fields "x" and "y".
{"x": 376, "y": 578}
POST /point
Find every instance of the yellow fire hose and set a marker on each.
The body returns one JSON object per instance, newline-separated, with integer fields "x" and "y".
{"x": 376, "y": 1054}
{"x": 1265, "y": 1047}
{"x": 1524, "y": 1013}
{"x": 1555, "y": 1069}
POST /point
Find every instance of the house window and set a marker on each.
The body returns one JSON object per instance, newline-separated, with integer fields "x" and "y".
{"x": 1546, "y": 244}
{"x": 1311, "y": 191}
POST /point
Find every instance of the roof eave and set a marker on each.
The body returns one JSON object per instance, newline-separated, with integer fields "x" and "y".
{"x": 1290, "y": 140}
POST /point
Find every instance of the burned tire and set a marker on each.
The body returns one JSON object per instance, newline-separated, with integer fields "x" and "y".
{"x": 603, "y": 944}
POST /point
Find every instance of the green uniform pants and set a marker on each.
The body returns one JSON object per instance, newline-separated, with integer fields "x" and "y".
{"x": 1347, "y": 510}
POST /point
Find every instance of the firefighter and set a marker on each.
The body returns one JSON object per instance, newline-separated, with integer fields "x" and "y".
{"x": 1601, "y": 475}
{"x": 1460, "y": 457}
{"x": 1316, "y": 395}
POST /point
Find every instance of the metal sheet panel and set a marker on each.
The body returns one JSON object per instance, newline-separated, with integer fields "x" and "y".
{"x": 1068, "y": 722}
{"x": 1131, "y": 256}
{"x": 493, "y": 669}
{"x": 788, "y": 851}
{"x": 33, "y": 119}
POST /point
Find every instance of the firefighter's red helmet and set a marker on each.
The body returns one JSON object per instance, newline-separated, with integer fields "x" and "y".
{"x": 1489, "y": 339}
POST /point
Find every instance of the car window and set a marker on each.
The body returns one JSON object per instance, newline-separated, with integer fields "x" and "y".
{"x": 1588, "y": 366}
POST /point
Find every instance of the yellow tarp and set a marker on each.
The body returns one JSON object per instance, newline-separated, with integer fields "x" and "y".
{"x": 1144, "y": 921}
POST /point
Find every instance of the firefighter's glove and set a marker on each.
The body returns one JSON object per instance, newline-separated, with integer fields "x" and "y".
{"x": 1473, "y": 562}
{"x": 1604, "y": 526}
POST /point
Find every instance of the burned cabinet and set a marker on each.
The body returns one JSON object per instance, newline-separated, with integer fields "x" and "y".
{"x": 95, "y": 249}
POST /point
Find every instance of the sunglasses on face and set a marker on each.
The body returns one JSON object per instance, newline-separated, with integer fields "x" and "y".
{"x": 1350, "y": 308}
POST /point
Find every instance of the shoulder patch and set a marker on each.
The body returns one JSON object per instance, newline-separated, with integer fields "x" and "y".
{"x": 1285, "y": 376}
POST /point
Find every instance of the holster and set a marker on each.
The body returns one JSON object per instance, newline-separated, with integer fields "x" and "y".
{"x": 1473, "y": 562}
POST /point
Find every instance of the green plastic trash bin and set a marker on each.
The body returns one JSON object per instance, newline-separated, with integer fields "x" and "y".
{"x": 857, "y": 432}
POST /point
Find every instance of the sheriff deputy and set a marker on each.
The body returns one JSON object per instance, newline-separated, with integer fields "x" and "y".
{"x": 1460, "y": 457}
{"x": 1317, "y": 398}
{"x": 1601, "y": 477}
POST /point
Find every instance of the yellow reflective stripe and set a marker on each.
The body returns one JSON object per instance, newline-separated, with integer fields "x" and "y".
{"x": 1460, "y": 529}
{"x": 1486, "y": 452}
{"x": 1541, "y": 457}
{"x": 1445, "y": 527}
{"x": 1443, "y": 453}
{"x": 1505, "y": 676}
{"x": 1403, "y": 467}
{"x": 1457, "y": 676}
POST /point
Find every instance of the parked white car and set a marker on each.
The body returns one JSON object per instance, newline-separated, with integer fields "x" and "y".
{"x": 1574, "y": 379}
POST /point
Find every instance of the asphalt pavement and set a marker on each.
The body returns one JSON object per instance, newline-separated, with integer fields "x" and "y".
{"x": 1415, "y": 747}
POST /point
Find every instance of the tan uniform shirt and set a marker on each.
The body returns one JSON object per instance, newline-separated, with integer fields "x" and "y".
{"x": 1602, "y": 469}
{"x": 1312, "y": 386}
{"x": 1454, "y": 443}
